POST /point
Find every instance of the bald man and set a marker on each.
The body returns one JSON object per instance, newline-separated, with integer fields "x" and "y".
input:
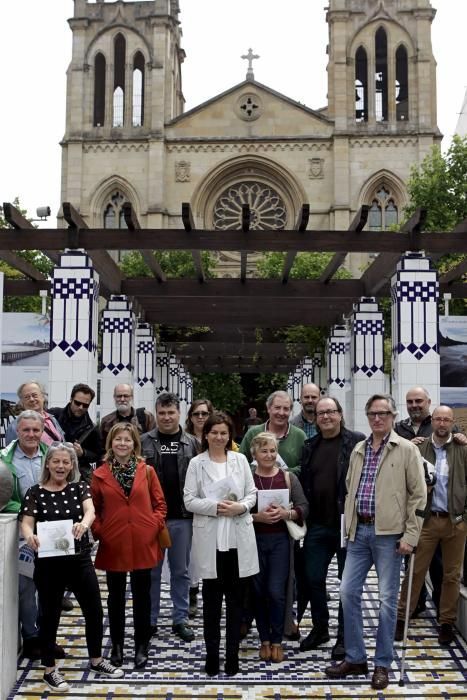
{"x": 306, "y": 420}
{"x": 445, "y": 524}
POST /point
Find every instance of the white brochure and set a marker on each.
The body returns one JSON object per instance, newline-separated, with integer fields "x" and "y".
{"x": 273, "y": 497}
{"x": 56, "y": 538}
{"x": 222, "y": 490}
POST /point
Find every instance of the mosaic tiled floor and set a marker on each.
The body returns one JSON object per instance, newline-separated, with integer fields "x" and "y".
{"x": 175, "y": 670}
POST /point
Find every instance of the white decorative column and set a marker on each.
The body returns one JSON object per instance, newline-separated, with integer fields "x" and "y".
{"x": 415, "y": 355}
{"x": 338, "y": 366}
{"x": 307, "y": 371}
{"x": 145, "y": 367}
{"x": 189, "y": 389}
{"x": 162, "y": 370}
{"x": 73, "y": 327}
{"x": 367, "y": 358}
{"x": 8, "y": 602}
{"x": 296, "y": 390}
{"x": 319, "y": 373}
{"x": 118, "y": 338}
{"x": 174, "y": 375}
{"x": 182, "y": 392}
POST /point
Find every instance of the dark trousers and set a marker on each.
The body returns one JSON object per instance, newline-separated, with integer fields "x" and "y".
{"x": 320, "y": 545}
{"x": 75, "y": 572}
{"x": 270, "y": 585}
{"x": 228, "y": 584}
{"x": 436, "y": 576}
{"x": 140, "y": 582}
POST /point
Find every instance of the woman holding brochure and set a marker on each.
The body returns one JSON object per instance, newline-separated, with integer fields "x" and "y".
{"x": 280, "y": 499}
{"x": 55, "y": 518}
{"x": 220, "y": 491}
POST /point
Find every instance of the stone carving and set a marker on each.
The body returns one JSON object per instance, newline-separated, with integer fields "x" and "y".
{"x": 182, "y": 171}
{"x": 267, "y": 207}
{"x": 316, "y": 168}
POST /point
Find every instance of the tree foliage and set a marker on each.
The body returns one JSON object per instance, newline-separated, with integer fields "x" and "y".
{"x": 175, "y": 264}
{"x": 224, "y": 390}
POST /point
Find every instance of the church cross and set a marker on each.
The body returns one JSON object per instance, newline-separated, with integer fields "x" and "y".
{"x": 250, "y": 57}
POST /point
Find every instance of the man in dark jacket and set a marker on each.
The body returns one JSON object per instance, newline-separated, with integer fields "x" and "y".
{"x": 79, "y": 429}
{"x": 169, "y": 450}
{"x": 324, "y": 465}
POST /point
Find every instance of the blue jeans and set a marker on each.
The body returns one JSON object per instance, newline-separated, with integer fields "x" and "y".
{"x": 319, "y": 547}
{"x": 368, "y": 549}
{"x": 270, "y": 585}
{"x": 28, "y": 608}
{"x": 179, "y": 561}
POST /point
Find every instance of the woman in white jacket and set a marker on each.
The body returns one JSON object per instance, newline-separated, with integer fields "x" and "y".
{"x": 220, "y": 491}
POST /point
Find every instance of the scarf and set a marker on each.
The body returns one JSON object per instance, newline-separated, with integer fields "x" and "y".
{"x": 124, "y": 473}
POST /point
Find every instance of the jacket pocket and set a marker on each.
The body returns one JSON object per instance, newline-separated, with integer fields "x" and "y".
{"x": 200, "y": 520}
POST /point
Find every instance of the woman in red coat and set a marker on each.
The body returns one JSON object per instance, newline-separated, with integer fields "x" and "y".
{"x": 130, "y": 513}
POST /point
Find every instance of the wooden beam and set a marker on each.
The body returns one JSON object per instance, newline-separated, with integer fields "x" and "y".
{"x": 13, "y": 216}
{"x": 132, "y": 223}
{"x": 109, "y": 273}
{"x": 189, "y": 224}
{"x": 357, "y": 225}
{"x": 380, "y": 272}
{"x": 253, "y": 241}
{"x": 300, "y": 225}
{"x": 22, "y": 265}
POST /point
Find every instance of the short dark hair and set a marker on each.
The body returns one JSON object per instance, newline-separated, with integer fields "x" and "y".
{"x": 84, "y": 389}
{"x": 217, "y": 418}
{"x": 167, "y": 399}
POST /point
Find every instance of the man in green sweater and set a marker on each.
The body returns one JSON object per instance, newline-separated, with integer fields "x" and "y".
{"x": 290, "y": 438}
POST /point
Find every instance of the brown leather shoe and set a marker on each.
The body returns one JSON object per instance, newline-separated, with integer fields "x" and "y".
{"x": 345, "y": 668}
{"x": 277, "y": 653}
{"x": 380, "y": 678}
{"x": 265, "y": 651}
{"x": 446, "y": 634}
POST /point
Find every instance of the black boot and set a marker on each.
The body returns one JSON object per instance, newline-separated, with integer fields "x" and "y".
{"x": 212, "y": 664}
{"x": 231, "y": 666}
{"x": 141, "y": 655}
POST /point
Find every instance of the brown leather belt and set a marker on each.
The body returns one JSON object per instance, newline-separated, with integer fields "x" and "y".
{"x": 366, "y": 519}
{"x": 440, "y": 514}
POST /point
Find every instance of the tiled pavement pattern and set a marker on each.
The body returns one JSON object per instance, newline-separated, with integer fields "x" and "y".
{"x": 175, "y": 670}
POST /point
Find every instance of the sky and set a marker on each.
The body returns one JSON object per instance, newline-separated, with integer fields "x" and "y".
{"x": 34, "y": 55}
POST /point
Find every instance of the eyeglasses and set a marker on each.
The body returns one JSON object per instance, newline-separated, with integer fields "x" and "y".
{"x": 441, "y": 420}
{"x": 81, "y": 404}
{"x": 329, "y": 412}
{"x": 122, "y": 396}
{"x": 378, "y": 414}
{"x": 58, "y": 443}
{"x": 200, "y": 414}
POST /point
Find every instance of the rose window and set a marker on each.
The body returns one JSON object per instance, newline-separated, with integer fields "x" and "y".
{"x": 267, "y": 207}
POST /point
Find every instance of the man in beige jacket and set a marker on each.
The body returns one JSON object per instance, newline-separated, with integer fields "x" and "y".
{"x": 386, "y": 497}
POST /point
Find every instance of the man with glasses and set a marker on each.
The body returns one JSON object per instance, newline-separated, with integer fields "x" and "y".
{"x": 79, "y": 429}
{"x": 306, "y": 419}
{"x": 323, "y": 469}
{"x": 445, "y": 524}
{"x": 125, "y": 413}
{"x": 384, "y": 506}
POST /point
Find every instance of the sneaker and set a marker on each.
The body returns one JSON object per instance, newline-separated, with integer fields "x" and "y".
{"x": 105, "y": 668}
{"x": 183, "y": 631}
{"x": 56, "y": 682}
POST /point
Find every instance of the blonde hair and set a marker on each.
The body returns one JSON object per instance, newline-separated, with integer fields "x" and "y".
{"x": 260, "y": 440}
{"x": 120, "y": 428}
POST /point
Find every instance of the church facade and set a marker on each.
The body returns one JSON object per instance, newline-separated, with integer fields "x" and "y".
{"x": 128, "y": 138}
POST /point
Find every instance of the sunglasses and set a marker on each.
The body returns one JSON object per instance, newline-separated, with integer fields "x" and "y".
{"x": 81, "y": 404}
{"x": 200, "y": 414}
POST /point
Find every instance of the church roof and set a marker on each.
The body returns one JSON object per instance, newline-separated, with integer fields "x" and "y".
{"x": 249, "y": 85}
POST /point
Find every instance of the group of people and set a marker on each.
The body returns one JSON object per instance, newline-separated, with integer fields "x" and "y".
{"x": 258, "y": 524}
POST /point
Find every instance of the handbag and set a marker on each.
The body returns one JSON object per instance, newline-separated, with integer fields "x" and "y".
{"x": 296, "y": 531}
{"x": 164, "y": 535}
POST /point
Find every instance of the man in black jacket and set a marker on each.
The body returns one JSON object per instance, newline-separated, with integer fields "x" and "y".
{"x": 80, "y": 430}
{"x": 324, "y": 465}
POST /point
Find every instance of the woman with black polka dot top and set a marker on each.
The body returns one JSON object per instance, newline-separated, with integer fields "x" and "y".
{"x": 59, "y": 496}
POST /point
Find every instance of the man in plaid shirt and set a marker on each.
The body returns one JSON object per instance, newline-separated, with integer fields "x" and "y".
{"x": 384, "y": 507}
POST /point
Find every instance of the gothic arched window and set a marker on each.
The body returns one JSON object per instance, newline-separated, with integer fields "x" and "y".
{"x": 119, "y": 81}
{"x": 138, "y": 90}
{"x": 99, "y": 90}
{"x": 402, "y": 84}
{"x": 381, "y": 75}
{"x": 361, "y": 85}
{"x": 383, "y": 210}
{"x": 113, "y": 211}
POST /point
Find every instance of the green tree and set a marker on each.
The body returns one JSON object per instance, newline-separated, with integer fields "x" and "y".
{"x": 175, "y": 264}
{"x": 224, "y": 390}
{"x": 35, "y": 258}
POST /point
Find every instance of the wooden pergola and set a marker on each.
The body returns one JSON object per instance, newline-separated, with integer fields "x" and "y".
{"x": 232, "y": 309}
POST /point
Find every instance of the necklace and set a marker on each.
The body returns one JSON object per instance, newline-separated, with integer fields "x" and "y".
{"x": 270, "y": 483}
